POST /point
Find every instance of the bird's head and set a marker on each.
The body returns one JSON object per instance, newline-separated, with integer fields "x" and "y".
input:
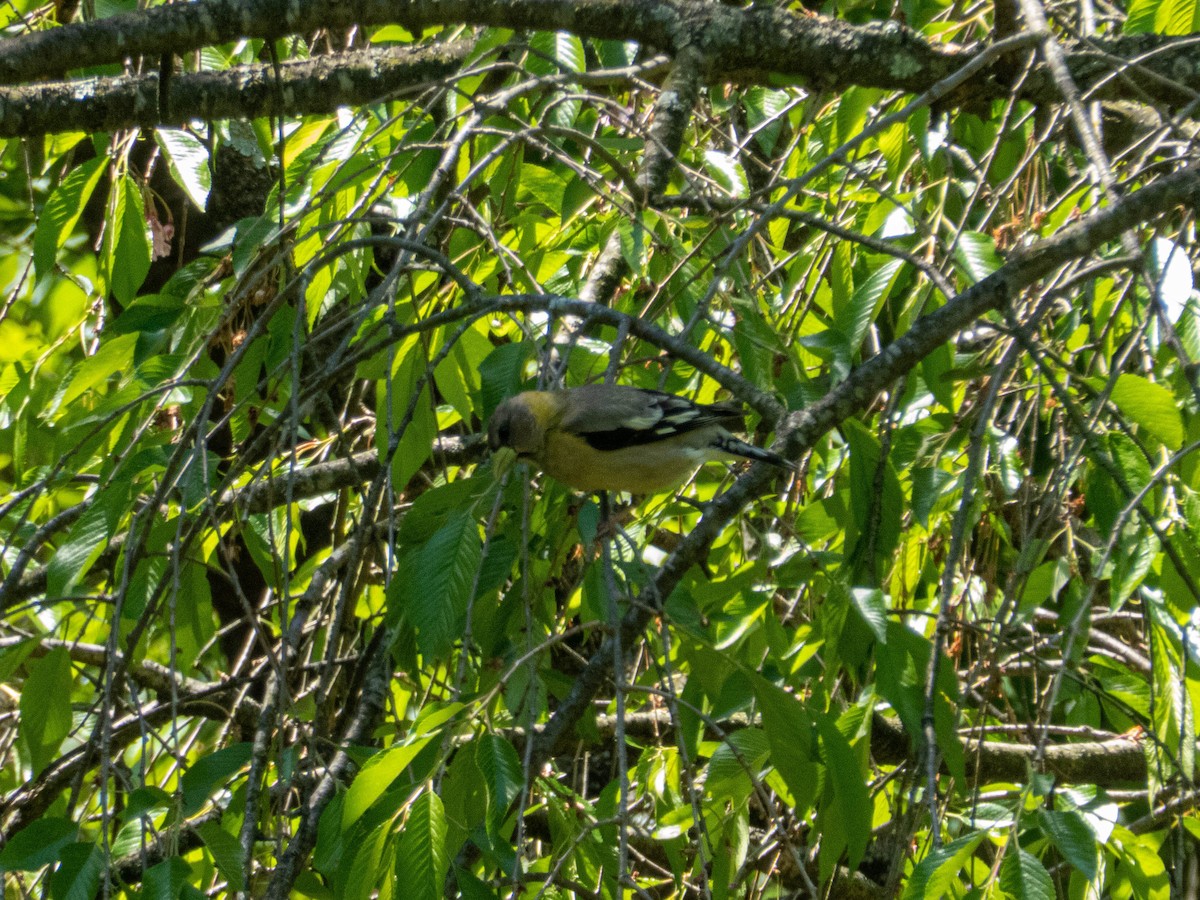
{"x": 514, "y": 432}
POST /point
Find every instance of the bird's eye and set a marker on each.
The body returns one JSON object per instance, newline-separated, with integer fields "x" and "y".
{"x": 503, "y": 434}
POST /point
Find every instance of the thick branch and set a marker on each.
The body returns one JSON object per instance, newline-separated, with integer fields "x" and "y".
{"x": 317, "y": 85}
{"x": 737, "y": 44}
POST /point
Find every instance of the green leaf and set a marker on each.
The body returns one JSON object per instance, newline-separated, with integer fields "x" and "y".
{"x": 726, "y": 172}
{"x": 764, "y": 108}
{"x": 421, "y": 853}
{"x": 738, "y": 759}
{"x": 376, "y": 777}
{"x": 1178, "y": 17}
{"x": 62, "y": 211}
{"x": 114, "y": 357}
{"x": 187, "y": 158}
{"x": 1073, "y": 838}
{"x": 1129, "y": 459}
{"x": 37, "y": 844}
{"x": 976, "y": 256}
{"x": 145, "y": 800}
{"x": 873, "y": 608}
{"x": 1151, "y": 406}
{"x": 849, "y": 789}
{"x": 433, "y": 595}
{"x": 77, "y": 876}
{"x": 557, "y": 52}
{"x": 1043, "y": 583}
{"x": 867, "y": 502}
{"x": 415, "y": 421}
{"x": 46, "y": 707}
{"x": 166, "y": 880}
{"x": 14, "y": 656}
{"x": 938, "y": 873}
{"x": 1171, "y": 17}
{"x": 1142, "y": 865}
{"x": 1022, "y": 875}
{"x": 1141, "y": 15}
{"x": 501, "y": 769}
{"x": 855, "y": 317}
{"x": 87, "y": 539}
{"x": 789, "y": 729}
{"x": 206, "y": 774}
{"x": 853, "y": 106}
{"x": 226, "y": 853}
{"x": 366, "y": 870}
{"x": 635, "y": 243}
{"x": 126, "y": 251}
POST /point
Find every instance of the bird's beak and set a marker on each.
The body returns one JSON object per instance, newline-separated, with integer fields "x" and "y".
{"x": 502, "y": 462}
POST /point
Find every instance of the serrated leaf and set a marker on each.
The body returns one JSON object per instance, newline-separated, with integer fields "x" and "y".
{"x": 376, "y": 777}
{"x": 873, "y": 608}
{"x": 1073, "y": 838}
{"x": 976, "y": 255}
{"x": 433, "y": 593}
{"x": 187, "y": 159}
{"x": 165, "y": 880}
{"x": 788, "y": 726}
{"x": 1022, "y": 875}
{"x": 77, "y": 876}
{"x": 1151, "y": 406}
{"x": 86, "y": 540}
{"x": 226, "y": 853}
{"x": 112, "y": 357}
{"x": 37, "y": 844}
{"x": 557, "y": 52}
{"x": 145, "y": 800}
{"x": 62, "y": 211}
{"x": 365, "y": 869}
{"x": 1177, "y": 17}
{"x": 206, "y": 774}
{"x": 938, "y": 873}
{"x": 726, "y": 172}
{"x": 1140, "y": 17}
{"x": 419, "y": 428}
{"x": 728, "y": 778}
{"x": 46, "y": 706}
{"x": 635, "y": 241}
{"x": 854, "y": 317}
{"x": 849, "y": 788}
{"x": 501, "y": 769}
{"x": 126, "y": 252}
{"x": 421, "y": 853}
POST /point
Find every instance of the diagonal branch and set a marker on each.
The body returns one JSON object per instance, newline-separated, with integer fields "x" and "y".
{"x": 801, "y": 430}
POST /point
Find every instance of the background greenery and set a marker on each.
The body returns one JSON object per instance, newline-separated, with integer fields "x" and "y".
{"x": 271, "y": 628}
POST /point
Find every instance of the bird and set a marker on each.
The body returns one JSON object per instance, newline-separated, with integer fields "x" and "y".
{"x": 604, "y": 437}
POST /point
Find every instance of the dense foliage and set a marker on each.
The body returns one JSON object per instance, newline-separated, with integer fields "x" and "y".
{"x": 270, "y": 626}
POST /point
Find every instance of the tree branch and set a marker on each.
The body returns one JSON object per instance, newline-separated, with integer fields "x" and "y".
{"x": 318, "y": 85}
{"x": 737, "y": 44}
{"x": 803, "y": 429}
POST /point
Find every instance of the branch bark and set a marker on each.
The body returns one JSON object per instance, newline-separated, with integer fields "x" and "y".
{"x": 317, "y": 85}
{"x": 754, "y": 44}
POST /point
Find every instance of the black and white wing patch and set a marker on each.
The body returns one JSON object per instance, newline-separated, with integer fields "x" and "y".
{"x": 631, "y": 417}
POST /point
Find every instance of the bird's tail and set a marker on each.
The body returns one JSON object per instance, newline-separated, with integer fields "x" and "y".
{"x": 736, "y": 447}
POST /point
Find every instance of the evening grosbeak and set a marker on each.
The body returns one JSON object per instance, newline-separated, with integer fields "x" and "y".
{"x": 612, "y": 438}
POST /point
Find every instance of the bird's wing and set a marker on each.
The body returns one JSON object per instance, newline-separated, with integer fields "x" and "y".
{"x": 611, "y": 417}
